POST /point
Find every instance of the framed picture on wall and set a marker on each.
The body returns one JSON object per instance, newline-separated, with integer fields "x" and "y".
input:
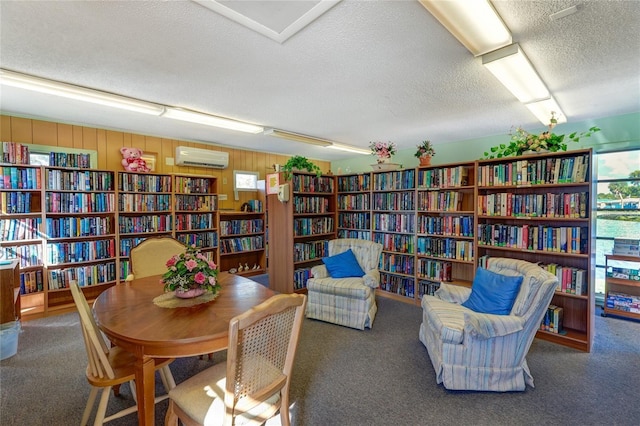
{"x": 273, "y": 182}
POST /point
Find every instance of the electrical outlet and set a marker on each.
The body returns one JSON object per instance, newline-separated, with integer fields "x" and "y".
{"x": 169, "y": 161}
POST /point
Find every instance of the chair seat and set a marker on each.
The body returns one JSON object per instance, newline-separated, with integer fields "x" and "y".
{"x": 348, "y": 287}
{"x": 447, "y": 319}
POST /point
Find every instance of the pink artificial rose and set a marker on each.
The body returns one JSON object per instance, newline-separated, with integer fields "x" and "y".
{"x": 172, "y": 261}
{"x": 199, "y": 278}
{"x": 201, "y": 257}
{"x": 212, "y": 264}
{"x": 191, "y": 264}
{"x": 212, "y": 280}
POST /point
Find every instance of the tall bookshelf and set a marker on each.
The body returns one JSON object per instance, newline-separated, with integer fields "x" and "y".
{"x": 242, "y": 242}
{"x": 300, "y": 229}
{"x": 445, "y": 225}
{"x": 393, "y": 220}
{"x": 79, "y": 231}
{"x": 354, "y": 206}
{"x": 538, "y": 208}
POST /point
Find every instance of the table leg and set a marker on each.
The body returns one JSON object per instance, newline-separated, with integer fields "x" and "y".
{"x": 145, "y": 390}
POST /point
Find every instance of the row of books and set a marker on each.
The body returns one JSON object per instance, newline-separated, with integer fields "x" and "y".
{"x": 309, "y": 183}
{"x": 393, "y": 201}
{"x": 235, "y": 245}
{"x": 14, "y": 153}
{"x": 29, "y": 255}
{"x": 63, "y": 159}
{"x": 623, "y": 273}
{"x": 394, "y": 180}
{"x": 626, "y": 246}
{"x": 399, "y": 243}
{"x": 560, "y": 239}
{"x": 354, "y": 183}
{"x": 454, "y": 226}
{"x": 303, "y": 204}
{"x": 552, "y": 320}
{"x": 446, "y": 248}
{"x": 31, "y": 282}
{"x": 394, "y": 222}
{"x": 309, "y": 250}
{"x": 19, "y": 178}
{"x": 193, "y": 185}
{"x": 126, "y": 244}
{"x": 194, "y": 221}
{"x": 80, "y": 251}
{"x": 313, "y": 225}
{"x": 149, "y": 223}
{"x": 550, "y": 205}
{"x": 537, "y": 171}
{"x": 397, "y": 263}
{"x": 84, "y": 276}
{"x": 196, "y": 202}
{"x": 77, "y": 180}
{"x": 144, "y": 202}
{"x": 17, "y": 202}
{"x": 570, "y": 280}
{"x": 80, "y": 202}
{"x": 428, "y": 288}
{"x": 255, "y": 206}
{"x": 200, "y": 239}
{"x": 436, "y": 270}
{"x": 354, "y": 201}
{"x": 352, "y": 233}
{"x": 448, "y": 177}
{"x": 134, "y": 182}
{"x": 300, "y": 277}
{"x": 241, "y": 226}
{"x": 398, "y": 285}
{"x": 354, "y": 220}
{"x": 450, "y": 201}
{"x": 623, "y": 302}
{"x": 71, "y": 227}
{"x": 20, "y": 229}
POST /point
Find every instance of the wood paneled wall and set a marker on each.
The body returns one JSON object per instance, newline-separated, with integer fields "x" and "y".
{"x": 108, "y": 143}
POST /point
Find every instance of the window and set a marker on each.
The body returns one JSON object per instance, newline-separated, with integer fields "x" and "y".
{"x": 618, "y": 205}
{"x": 244, "y": 181}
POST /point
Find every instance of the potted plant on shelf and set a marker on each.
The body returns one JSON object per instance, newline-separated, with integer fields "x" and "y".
{"x": 298, "y": 162}
{"x": 523, "y": 142}
{"x": 382, "y": 150}
{"x": 425, "y": 152}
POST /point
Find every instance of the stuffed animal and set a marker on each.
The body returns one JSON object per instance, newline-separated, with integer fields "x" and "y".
{"x": 132, "y": 160}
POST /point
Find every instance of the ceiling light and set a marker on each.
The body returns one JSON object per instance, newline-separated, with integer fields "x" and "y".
{"x": 210, "y": 120}
{"x": 543, "y": 109}
{"x": 297, "y": 137}
{"x": 511, "y": 66}
{"x": 475, "y": 23}
{"x": 349, "y": 148}
{"x": 23, "y": 81}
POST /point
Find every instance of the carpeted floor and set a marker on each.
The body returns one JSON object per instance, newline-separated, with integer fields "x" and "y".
{"x": 342, "y": 376}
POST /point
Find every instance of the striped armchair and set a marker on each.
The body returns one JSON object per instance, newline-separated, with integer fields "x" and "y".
{"x": 349, "y": 302}
{"x": 476, "y": 351}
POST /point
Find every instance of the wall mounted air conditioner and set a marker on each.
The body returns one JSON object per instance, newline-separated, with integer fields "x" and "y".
{"x": 195, "y": 157}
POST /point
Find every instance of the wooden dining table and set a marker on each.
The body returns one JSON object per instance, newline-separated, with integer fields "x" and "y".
{"x": 127, "y": 314}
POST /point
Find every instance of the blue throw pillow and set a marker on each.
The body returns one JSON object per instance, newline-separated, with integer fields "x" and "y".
{"x": 493, "y": 293}
{"x": 343, "y": 265}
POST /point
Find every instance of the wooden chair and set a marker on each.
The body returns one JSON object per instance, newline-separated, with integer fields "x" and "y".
{"x": 254, "y": 383}
{"x": 150, "y": 256}
{"x": 109, "y": 366}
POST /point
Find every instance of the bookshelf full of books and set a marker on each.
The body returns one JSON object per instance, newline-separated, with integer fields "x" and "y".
{"x": 300, "y": 227}
{"x": 622, "y": 280}
{"x": 538, "y": 208}
{"x": 243, "y": 241}
{"x": 354, "y": 206}
{"x": 393, "y": 222}
{"x": 445, "y": 226}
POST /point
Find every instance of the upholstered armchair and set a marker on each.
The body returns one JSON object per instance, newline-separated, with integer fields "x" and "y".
{"x": 348, "y": 301}
{"x": 471, "y": 350}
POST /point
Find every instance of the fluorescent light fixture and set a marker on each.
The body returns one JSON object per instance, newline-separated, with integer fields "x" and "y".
{"x": 297, "y": 137}
{"x": 36, "y": 84}
{"x": 475, "y": 23}
{"x": 512, "y": 67}
{"x": 210, "y": 120}
{"x": 543, "y": 109}
{"x": 349, "y": 148}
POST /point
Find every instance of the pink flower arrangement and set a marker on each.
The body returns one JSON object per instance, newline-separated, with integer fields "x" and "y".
{"x": 190, "y": 270}
{"x": 383, "y": 149}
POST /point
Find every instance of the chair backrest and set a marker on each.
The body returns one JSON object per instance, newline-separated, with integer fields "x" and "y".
{"x": 97, "y": 348}
{"x": 151, "y": 255}
{"x": 262, "y": 347}
{"x": 367, "y": 252}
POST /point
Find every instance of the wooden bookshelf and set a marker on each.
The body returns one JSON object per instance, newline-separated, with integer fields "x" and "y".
{"x": 622, "y": 286}
{"x": 242, "y": 242}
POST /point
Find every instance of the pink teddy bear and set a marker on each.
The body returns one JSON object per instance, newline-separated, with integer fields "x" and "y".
{"x": 132, "y": 160}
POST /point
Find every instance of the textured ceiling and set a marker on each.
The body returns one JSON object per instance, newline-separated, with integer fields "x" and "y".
{"x": 362, "y": 71}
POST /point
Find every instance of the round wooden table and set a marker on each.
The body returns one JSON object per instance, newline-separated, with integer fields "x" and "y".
{"x": 127, "y": 314}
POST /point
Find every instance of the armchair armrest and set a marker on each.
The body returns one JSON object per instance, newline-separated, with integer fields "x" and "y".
{"x": 319, "y": 271}
{"x": 372, "y": 278}
{"x": 453, "y": 293}
{"x": 487, "y": 326}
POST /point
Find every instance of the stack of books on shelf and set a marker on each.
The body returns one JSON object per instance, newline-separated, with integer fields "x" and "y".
{"x": 626, "y": 246}
{"x": 623, "y": 302}
{"x": 14, "y": 153}
{"x": 552, "y": 320}
{"x": 624, "y": 273}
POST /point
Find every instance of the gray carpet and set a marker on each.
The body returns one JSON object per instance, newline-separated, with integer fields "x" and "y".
{"x": 349, "y": 377}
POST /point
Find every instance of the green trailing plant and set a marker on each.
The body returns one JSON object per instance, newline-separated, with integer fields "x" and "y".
{"x": 299, "y": 162}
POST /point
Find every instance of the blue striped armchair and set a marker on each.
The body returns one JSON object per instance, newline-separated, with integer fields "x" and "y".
{"x": 486, "y": 352}
{"x": 349, "y": 301}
